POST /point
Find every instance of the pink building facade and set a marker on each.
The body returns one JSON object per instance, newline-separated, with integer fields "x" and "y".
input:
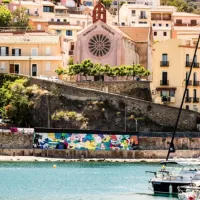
{"x": 103, "y": 43}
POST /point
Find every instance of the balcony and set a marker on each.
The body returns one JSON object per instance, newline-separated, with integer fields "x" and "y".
{"x": 187, "y": 64}
{"x": 181, "y": 24}
{"x": 188, "y": 99}
{"x": 195, "y": 100}
{"x": 189, "y": 82}
{"x": 196, "y": 65}
{"x": 62, "y": 14}
{"x": 165, "y": 99}
{"x": 164, "y": 63}
{"x": 142, "y": 17}
{"x": 58, "y": 23}
{"x": 164, "y": 82}
{"x": 196, "y": 83}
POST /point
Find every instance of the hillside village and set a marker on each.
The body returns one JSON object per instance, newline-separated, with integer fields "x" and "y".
{"x": 72, "y": 42}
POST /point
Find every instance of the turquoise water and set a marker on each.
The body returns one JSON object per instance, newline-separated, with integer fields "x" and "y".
{"x": 76, "y": 181}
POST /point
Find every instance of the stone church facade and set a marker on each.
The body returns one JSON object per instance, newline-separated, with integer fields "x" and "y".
{"x": 104, "y": 43}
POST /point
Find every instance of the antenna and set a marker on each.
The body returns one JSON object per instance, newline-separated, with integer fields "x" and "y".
{"x": 171, "y": 146}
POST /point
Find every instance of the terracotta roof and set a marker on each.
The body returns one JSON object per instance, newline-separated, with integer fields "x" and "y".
{"x": 137, "y": 34}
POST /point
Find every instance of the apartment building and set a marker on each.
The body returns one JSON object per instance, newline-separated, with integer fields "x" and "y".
{"x": 171, "y": 65}
{"x": 185, "y": 25}
{"x": 31, "y": 53}
{"x": 161, "y": 22}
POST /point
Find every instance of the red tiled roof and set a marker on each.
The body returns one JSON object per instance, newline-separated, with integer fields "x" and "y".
{"x": 137, "y": 34}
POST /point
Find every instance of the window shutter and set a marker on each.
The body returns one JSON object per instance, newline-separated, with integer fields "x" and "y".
{"x": 19, "y": 52}
{"x": 0, "y": 51}
{"x": 48, "y": 66}
{"x": 7, "y": 51}
{"x": 13, "y": 52}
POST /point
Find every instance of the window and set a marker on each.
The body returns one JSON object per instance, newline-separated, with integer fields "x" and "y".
{"x": 195, "y": 108}
{"x": 193, "y": 22}
{"x": 3, "y": 66}
{"x": 133, "y": 13}
{"x": 123, "y": 24}
{"x": 34, "y": 51}
{"x": 16, "y": 52}
{"x": 154, "y": 24}
{"x": 160, "y": 24}
{"x": 59, "y": 32}
{"x": 187, "y": 107}
{"x": 179, "y": 21}
{"x": 88, "y": 3}
{"x": 48, "y": 66}
{"x": 187, "y": 58}
{"x": 48, "y": 50}
{"x": 69, "y": 32}
{"x": 48, "y": 9}
{"x": 143, "y": 14}
{"x": 39, "y": 26}
{"x": 195, "y": 93}
{"x": 172, "y": 93}
{"x": 4, "y": 51}
{"x": 58, "y": 20}
{"x": 155, "y": 33}
{"x": 164, "y": 33}
{"x": 167, "y": 25}
{"x": 164, "y": 57}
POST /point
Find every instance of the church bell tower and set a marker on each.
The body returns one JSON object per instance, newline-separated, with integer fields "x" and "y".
{"x": 99, "y": 13}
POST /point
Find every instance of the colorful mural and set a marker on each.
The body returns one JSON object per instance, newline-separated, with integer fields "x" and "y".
{"x": 84, "y": 141}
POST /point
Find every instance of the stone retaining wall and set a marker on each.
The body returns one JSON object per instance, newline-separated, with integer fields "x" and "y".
{"x": 136, "y": 89}
{"x": 155, "y": 113}
{"x": 115, "y": 154}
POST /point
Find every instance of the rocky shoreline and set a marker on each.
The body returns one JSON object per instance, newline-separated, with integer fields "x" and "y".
{"x": 46, "y": 159}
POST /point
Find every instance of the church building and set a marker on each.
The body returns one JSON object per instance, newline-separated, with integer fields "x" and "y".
{"x": 104, "y": 43}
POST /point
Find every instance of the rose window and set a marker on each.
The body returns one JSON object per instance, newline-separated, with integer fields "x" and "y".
{"x": 99, "y": 45}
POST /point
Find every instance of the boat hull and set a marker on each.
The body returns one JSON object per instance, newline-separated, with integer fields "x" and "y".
{"x": 164, "y": 187}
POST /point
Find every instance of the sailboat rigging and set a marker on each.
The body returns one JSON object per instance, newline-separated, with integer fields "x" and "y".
{"x": 165, "y": 180}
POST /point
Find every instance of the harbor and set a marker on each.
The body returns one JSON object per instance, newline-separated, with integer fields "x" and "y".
{"x": 77, "y": 180}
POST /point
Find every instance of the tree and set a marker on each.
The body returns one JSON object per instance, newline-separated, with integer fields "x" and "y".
{"x": 107, "y": 3}
{"x": 21, "y": 18}
{"x": 5, "y": 16}
{"x": 70, "y": 61}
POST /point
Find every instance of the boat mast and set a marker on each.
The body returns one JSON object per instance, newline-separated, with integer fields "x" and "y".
{"x": 171, "y": 147}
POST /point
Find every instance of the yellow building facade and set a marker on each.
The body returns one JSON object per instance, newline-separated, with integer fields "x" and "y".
{"x": 171, "y": 65}
{"x": 32, "y": 54}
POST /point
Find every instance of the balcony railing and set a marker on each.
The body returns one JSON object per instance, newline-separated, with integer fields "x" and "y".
{"x": 58, "y": 23}
{"x": 142, "y": 17}
{"x": 196, "y": 65}
{"x": 188, "y": 64}
{"x": 181, "y": 24}
{"x": 164, "y": 82}
{"x": 195, "y": 100}
{"x": 61, "y": 14}
{"x": 188, "y": 99}
{"x": 164, "y": 63}
{"x": 196, "y": 83}
{"x": 189, "y": 82}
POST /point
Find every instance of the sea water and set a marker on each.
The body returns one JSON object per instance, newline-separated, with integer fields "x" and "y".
{"x": 76, "y": 181}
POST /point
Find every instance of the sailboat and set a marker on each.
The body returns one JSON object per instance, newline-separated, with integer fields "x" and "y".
{"x": 168, "y": 179}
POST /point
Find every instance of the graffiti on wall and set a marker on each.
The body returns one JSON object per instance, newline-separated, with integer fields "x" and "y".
{"x": 84, "y": 141}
